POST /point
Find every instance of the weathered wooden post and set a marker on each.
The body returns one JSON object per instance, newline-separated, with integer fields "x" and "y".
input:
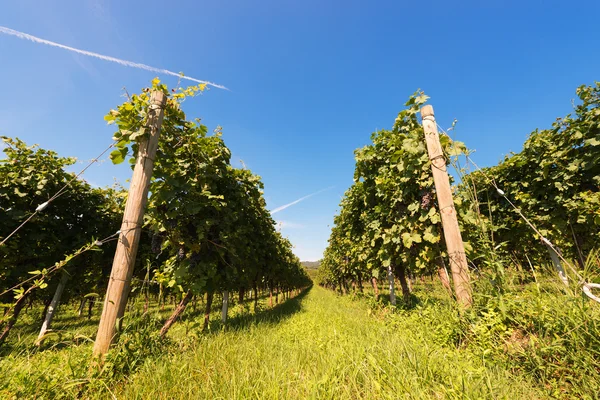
{"x": 52, "y": 307}
{"x": 452, "y": 236}
{"x": 225, "y": 306}
{"x": 131, "y": 228}
{"x": 390, "y": 275}
{"x": 556, "y": 262}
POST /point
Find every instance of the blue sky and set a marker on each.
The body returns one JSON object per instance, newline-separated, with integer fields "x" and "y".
{"x": 310, "y": 80}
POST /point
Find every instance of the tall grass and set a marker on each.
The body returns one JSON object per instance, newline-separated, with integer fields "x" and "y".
{"x": 323, "y": 346}
{"x": 531, "y": 341}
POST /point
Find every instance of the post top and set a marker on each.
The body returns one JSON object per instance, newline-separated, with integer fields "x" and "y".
{"x": 427, "y": 111}
{"x": 157, "y": 97}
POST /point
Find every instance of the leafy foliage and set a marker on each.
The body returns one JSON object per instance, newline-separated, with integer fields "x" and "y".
{"x": 30, "y": 176}
{"x": 389, "y": 216}
{"x": 209, "y": 217}
{"x": 554, "y": 181}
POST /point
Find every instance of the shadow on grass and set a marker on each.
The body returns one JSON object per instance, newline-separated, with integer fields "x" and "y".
{"x": 423, "y": 295}
{"x": 65, "y": 326}
{"x": 61, "y": 335}
{"x": 67, "y": 329}
{"x": 247, "y": 318}
{"x": 383, "y": 300}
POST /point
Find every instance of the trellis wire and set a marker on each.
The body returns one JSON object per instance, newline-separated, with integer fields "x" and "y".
{"x": 62, "y": 190}
{"x": 585, "y": 285}
{"x": 59, "y": 265}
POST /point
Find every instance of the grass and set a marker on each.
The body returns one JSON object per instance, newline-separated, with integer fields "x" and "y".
{"x": 325, "y": 347}
{"x": 527, "y": 344}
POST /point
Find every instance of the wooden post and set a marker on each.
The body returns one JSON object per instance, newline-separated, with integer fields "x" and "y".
{"x": 390, "y": 275}
{"x": 443, "y": 274}
{"x": 131, "y": 228}
{"x": 52, "y": 308}
{"x": 81, "y": 307}
{"x": 557, "y": 264}
{"x": 176, "y": 313}
{"x": 225, "y": 306}
{"x": 454, "y": 243}
{"x": 375, "y": 288}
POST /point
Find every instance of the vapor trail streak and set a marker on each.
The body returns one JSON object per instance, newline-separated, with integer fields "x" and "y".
{"x": 283, "y": 207}
{"x": 21, "y": 35}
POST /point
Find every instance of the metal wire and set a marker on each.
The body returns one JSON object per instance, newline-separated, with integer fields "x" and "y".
{"x": 585, "y": 285}
{"x": 62, "y": 190}
{"x": 90, "y": 246}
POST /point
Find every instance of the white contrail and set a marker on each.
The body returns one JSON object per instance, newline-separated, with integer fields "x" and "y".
{"x": 283, "y": 207}
{"x": 125, "y": 63}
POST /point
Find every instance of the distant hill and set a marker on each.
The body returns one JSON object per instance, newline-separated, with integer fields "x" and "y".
{"x": 311, "y": 264}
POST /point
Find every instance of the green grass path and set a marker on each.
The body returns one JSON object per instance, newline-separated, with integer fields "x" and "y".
{"x": 321, "y": 346}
